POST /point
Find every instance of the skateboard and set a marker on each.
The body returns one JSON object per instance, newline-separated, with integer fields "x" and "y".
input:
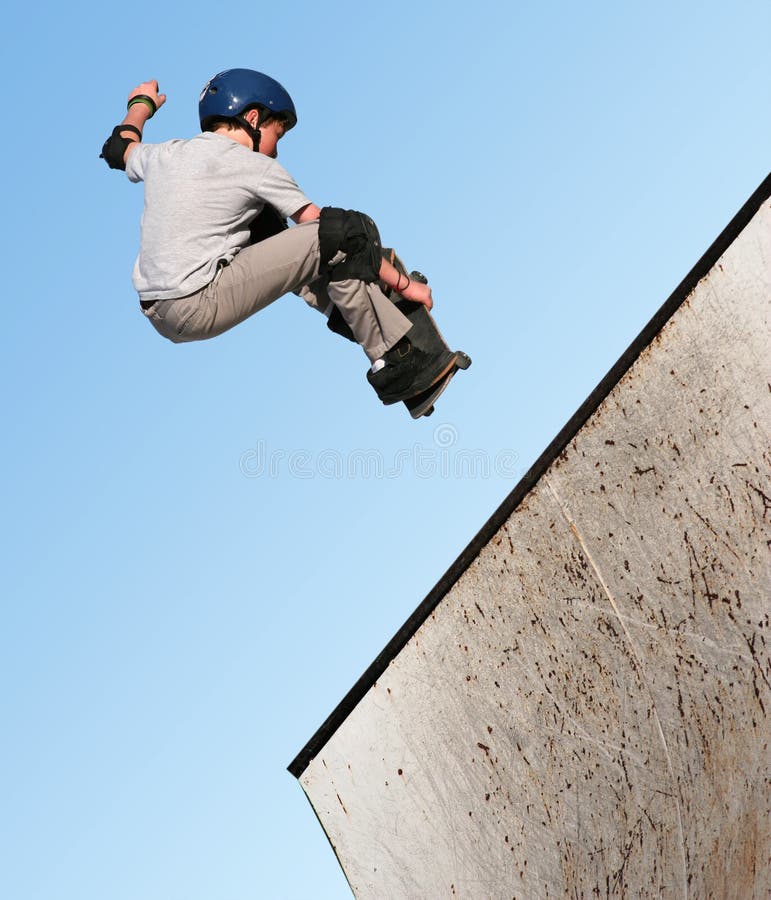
{"x": 424, "y": 325}
{"x": 423, "y": 404}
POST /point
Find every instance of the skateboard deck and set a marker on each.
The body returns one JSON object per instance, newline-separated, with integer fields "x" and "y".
{"x": 426, "y": 333}
{"x": 423, "y": 404}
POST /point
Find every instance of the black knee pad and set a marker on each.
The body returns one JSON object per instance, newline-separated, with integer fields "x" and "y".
{"x": 357, "y": 236}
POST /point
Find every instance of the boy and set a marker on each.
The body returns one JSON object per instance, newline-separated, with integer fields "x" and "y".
{"x": 197, "y": 274}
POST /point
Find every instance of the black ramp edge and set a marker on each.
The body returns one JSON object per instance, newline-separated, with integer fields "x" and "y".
{"x": 534, "y": 474}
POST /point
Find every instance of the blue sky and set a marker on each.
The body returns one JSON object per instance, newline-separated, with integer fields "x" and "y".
{"x": 177, "y": 618}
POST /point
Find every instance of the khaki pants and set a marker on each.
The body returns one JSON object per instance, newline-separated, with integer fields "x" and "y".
{"x": 261, "y": 273}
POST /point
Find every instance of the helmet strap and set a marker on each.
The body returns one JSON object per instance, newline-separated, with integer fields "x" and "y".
{"x": 254, "y": 133}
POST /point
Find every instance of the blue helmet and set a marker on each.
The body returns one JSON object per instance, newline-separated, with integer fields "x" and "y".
{"x": 235, "y": 91}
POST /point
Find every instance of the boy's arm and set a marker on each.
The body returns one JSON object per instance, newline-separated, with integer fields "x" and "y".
{"x": 402, "y": 284}
{"x": 308, "y": 213}
{"x": 143, "y": 102}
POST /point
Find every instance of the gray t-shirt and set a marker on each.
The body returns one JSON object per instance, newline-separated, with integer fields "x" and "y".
{"x": 200, "y": 196}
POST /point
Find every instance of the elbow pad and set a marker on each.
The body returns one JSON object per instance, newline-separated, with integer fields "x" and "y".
{"x": 114, "y": 148}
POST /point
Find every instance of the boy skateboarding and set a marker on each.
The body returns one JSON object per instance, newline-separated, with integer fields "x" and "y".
{"x": 205, "y": 264}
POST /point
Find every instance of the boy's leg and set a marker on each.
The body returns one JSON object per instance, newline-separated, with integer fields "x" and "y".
{"x": 376, "y": 323}
{"x": 372, "y": 317}
{"x": 316, "y": 296}
{"x": 258, "y": 275}
{"x": 265, "y": 271}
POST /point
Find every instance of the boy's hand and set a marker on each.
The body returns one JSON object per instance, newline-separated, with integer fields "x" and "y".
{"x": 418, "y": 293}
{"x": 149, "y": 89}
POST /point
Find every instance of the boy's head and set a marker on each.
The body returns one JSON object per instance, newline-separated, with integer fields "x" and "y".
{"x": 247, "y": 100}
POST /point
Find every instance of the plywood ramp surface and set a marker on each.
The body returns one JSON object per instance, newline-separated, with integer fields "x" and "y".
{"x": 581, "y": 706}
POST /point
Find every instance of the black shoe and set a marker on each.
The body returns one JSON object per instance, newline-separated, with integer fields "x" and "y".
{"x": 409, "y": 371}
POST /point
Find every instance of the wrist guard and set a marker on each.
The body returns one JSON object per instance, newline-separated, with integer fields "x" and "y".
{"x": 144, "y": 99}
{"x": 114, "y": 148}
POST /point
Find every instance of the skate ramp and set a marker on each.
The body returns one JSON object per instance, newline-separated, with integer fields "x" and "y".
{"x": 580, "y": 707}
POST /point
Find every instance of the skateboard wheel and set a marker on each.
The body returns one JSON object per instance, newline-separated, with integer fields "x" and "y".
{"x": 464, "y": 360}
